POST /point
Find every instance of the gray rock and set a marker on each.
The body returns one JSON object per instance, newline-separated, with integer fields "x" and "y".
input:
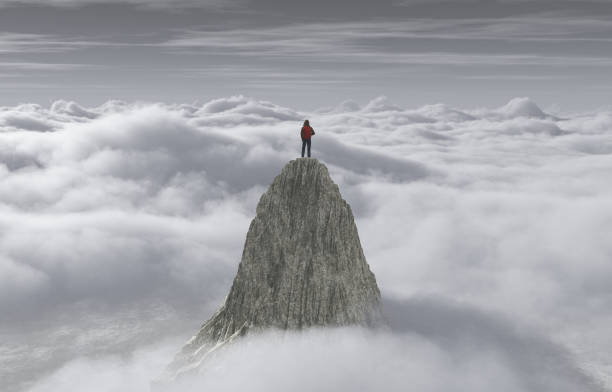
{"x": 302, "y": 266}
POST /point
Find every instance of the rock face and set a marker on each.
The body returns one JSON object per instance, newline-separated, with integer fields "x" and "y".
{"x": 302, "y": 266}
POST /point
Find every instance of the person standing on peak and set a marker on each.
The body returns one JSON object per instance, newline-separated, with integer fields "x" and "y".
{"x": 306, "y": 134}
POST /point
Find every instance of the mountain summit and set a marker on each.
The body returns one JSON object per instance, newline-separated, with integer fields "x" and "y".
{"x": 302, "y": 266}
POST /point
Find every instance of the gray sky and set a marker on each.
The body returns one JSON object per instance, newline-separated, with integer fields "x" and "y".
{"x": 308, "y": 54}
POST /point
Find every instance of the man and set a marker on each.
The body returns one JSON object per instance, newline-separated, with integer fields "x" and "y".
{"x": 306, "y": 134}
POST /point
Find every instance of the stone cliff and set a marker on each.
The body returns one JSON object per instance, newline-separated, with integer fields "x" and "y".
{"x": 302, "y": 266}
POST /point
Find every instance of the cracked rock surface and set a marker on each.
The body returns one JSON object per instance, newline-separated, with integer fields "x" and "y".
{"x": 302, "y": 266}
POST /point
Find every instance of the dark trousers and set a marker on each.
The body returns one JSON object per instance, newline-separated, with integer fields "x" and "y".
{"x": 305, "y": 142}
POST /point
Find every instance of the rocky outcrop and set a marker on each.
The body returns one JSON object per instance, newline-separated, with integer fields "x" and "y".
{"x": 302, "y": 266}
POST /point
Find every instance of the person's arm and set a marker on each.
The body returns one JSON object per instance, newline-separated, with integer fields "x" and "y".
{"x": 312, "y": 130}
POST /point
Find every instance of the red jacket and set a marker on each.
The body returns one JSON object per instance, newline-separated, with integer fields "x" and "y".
{"x": 307, "y": 132}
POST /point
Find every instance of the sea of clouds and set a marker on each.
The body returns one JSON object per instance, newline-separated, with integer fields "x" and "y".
{"x": 489, "y": 231}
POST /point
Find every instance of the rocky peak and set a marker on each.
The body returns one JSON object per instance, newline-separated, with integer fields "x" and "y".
{"x": 302, "y": 266}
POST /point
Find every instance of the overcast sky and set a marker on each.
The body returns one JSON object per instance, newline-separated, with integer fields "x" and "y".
{"x": 308, "y": 53}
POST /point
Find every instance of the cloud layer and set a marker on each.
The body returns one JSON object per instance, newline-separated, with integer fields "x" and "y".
{"x": 122, "y": 225}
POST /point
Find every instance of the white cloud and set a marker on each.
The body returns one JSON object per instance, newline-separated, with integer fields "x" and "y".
{"x": 478, "y": 353}
{"x": 134, "y": 214}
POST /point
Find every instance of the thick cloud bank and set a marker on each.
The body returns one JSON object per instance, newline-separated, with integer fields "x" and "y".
{"x": 489, "y": 231}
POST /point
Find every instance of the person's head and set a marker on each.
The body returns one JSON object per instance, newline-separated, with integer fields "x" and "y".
{"x": 306, "y": 123}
